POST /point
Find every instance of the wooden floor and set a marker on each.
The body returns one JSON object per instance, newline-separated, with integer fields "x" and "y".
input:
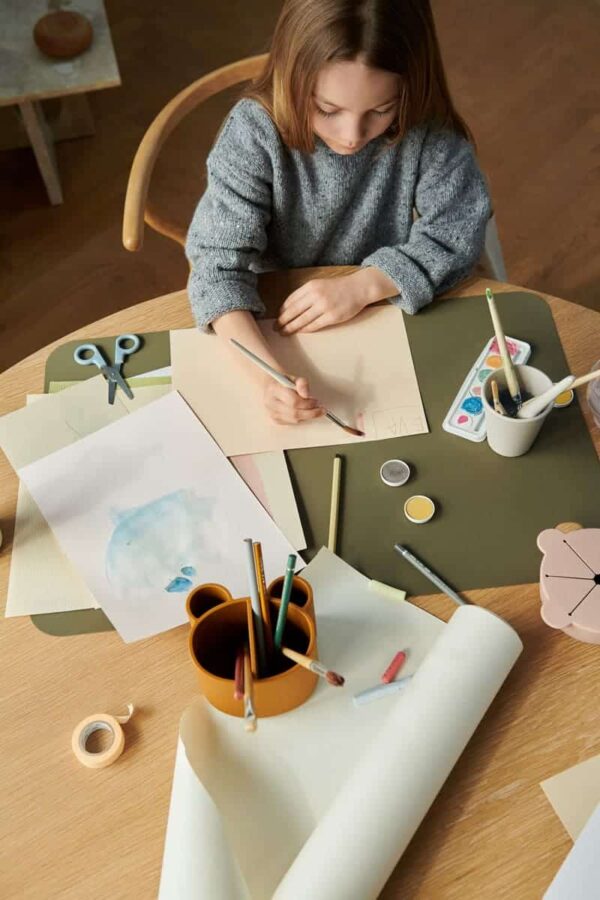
{"x": 526, "y": 75}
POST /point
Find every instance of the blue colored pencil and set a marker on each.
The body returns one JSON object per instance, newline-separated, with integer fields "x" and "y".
{"x": 256, "y": 613}
{"x": 285, "y": 599}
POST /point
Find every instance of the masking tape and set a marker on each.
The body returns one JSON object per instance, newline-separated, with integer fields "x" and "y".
{"x": 385, "y": 590}
{"x": 100, "y": 722}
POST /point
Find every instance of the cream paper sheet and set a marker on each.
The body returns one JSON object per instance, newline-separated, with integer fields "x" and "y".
{"x": 41, "y": 578}
{"x": 574, "y": 794}
{"x": 361, "y": 370}
{"x": 579, "y": 876}
{"x": 321, "y": 802}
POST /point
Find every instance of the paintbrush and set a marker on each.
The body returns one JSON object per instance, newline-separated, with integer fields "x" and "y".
{"x": 512, "y": 381}
{"x": 288, "y": 383}
{"x": 496, "y": 398}
{"x": 249, "y": 714}
{"x": 313, "y": 665}
{"x": 238, "y": 689}
{"x": 538, "y": 404}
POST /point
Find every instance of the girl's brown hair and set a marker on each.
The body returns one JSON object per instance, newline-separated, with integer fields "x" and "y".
{"x": 397, "y": 36}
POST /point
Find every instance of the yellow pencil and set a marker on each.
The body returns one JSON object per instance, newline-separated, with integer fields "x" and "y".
{"x": 335, "y": 503}
{"x": 265, "y": 611}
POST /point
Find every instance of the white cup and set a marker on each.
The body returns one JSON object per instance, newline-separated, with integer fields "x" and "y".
{"x": 505, "y": 435}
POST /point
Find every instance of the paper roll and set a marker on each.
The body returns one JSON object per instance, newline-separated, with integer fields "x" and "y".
{"x": 359, "y": 840}
{"x": 100, "y": 722}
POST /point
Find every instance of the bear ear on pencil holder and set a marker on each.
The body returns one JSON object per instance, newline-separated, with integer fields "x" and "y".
{"x": 221, "y": 625}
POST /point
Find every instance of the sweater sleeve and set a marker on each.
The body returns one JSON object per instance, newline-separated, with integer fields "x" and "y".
{"x": 445, "y": 242}
{"x": 228, "y": 230}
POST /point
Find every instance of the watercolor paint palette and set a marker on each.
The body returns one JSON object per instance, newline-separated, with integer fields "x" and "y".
{"x": 466, "y": 417}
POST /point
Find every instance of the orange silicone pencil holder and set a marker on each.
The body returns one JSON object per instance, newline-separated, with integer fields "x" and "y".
{"x": 221, "y": 625}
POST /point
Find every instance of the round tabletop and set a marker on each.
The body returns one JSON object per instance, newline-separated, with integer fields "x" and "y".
{"x": 73, "y": 832}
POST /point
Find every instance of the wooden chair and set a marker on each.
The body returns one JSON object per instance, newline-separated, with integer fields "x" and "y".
{"x": 139, "y": 210}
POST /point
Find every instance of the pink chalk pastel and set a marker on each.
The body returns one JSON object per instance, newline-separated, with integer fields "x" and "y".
{"x": 570, "y": 582}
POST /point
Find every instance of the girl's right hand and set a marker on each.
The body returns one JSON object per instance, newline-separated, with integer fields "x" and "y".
{"x": 288, "y": 407}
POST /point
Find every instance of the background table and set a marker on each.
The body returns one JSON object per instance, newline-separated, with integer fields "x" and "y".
{"x": 28, "y": 77}
{"x": 72, "y": 832}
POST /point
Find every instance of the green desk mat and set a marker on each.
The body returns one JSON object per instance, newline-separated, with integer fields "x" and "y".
{"x": 489, "y": 509}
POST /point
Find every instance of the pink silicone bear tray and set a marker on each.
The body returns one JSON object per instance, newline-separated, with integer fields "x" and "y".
{"x": 570, "y": 580}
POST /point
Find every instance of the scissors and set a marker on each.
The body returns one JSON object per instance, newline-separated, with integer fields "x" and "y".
{"x": 90, "y": 355}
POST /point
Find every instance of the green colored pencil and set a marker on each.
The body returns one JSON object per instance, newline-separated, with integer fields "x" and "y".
{"x": 286, "y": 593}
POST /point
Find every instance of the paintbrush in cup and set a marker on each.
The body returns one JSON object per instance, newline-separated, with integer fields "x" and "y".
{"x": 288, "y": 383}
{"x": 512, "y": 382}
{"x": 537, "y": 404}
{"x": 313, "y": 665}
{"x": 496, "y": 398}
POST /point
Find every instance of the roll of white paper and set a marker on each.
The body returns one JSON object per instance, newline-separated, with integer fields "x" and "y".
{"x": 359, "y": 840}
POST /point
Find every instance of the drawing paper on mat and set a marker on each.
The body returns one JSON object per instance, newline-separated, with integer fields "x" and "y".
{"x": 361, "y": 370}
{"x": 148, "y": 507}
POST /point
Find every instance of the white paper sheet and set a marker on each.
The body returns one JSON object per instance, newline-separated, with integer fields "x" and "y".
{"x": 145, "y": 508}
{"x": 41, "y": 578}
{"x": 579, "y": 876}
{"x": 574, "y": 794}
{"x": 361, "y": 370}
{"x": 322, "y": 801}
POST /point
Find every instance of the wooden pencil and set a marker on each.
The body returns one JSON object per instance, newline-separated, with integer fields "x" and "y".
{"x": 335, "y": 503}
{"x": 265, "y": 610}
{"x": 256, "y": 609}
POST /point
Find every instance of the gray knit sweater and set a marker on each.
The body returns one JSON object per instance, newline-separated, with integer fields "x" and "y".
{"x": 267, "y": 207}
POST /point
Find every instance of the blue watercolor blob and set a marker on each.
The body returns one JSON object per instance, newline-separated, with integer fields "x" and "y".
{"x": 172, "y": 535}
{"x": 472, "y": 405}
{"x": 178, "y": 585}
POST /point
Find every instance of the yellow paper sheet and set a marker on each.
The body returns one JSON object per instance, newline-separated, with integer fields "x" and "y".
{"x": 574, "y": 794}
{"x": 361, "y": 370}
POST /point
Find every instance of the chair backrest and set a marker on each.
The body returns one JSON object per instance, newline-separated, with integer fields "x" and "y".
{"x": 138, "y": 208}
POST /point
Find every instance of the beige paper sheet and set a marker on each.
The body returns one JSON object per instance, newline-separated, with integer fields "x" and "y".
{"x": 41, "y": 578}
{"x": 574, "y": 794}
{"x": 321, "y": 802}
{"x": 361, "y": 370}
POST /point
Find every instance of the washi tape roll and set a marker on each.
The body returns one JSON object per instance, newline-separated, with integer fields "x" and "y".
{"x": 100, "y": 722}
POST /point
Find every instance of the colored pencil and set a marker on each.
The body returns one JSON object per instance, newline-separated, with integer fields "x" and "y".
{"x": 394, "y": 667}
{"x": 335, "y": 503}
{"x": 256, "y": 611}
{"x": 435, "y": 579}
{"x": 288, "y": 383}
{"x": 512, "y": 381}
{"x": 238, "y": 691}
{"x": 313, "y": 665}
{"x": 249, "y": 713}
{"x": 381, "y": 690}
{"x": 286, "y": 593}
{"x": 265, "y": 610}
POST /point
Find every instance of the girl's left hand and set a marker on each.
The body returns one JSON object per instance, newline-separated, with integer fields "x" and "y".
{"x": 320, "y": 303}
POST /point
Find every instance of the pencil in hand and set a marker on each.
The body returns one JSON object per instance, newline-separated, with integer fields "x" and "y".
{"x": 288, "y": 383}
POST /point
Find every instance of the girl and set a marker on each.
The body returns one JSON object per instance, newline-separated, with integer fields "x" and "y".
{"x": 346, "y": 151}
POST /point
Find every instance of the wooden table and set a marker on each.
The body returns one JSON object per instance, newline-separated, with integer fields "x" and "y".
{"x": 70, "y": 832}
{"x": 28, "y": 77}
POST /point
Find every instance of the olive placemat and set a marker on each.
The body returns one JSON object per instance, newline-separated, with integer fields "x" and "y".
{"x": 489, "y": 509}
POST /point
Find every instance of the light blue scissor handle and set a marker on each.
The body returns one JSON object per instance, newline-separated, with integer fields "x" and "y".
{"x": 94, "y": 359}
{"x": 122, "y": 351}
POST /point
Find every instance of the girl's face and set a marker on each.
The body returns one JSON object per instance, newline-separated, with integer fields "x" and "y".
{"x": 352, "y": 104}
